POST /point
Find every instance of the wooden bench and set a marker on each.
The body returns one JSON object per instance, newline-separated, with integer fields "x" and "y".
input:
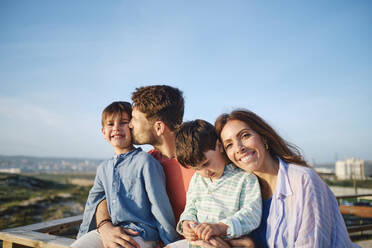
{"x": 40, "y": 235}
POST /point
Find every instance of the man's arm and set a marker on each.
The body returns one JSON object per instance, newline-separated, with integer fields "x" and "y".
{"x": 113, "y": 236}
{"x": 102, "y": 212}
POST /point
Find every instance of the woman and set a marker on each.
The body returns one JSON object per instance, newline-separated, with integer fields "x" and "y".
{"x": 298, "y": 207}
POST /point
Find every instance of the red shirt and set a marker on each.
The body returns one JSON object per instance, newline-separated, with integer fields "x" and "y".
{"x": 177, "y": 181}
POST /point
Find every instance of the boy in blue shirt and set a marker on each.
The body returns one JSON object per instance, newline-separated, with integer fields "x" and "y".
{"x": 222, "y": 199}
{"x": 133, "y": 183}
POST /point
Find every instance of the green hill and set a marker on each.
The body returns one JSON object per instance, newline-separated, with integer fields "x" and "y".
{"x": 26, "y": 200}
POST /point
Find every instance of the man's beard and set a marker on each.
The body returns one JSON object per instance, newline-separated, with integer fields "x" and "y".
{"x": 144, "y": 139}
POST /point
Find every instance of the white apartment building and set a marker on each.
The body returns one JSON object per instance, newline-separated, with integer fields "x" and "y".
{"x": 352, "y": 168}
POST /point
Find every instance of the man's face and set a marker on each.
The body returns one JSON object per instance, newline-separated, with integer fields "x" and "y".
{"x": 141, "y": 128}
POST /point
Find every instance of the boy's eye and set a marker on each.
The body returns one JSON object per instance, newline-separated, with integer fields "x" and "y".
{"x": 110, "y": 124}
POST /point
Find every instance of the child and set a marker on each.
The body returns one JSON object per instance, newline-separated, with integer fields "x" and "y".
{"x": 133, "y": 184}
{"x": 222, "y": 200}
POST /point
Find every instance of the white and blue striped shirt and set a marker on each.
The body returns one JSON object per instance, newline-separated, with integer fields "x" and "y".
{"x": 304, "y": 211}
{"x": 234, "y": 199}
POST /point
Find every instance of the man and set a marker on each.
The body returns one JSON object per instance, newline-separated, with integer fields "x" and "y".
{"x": 157, "y": 112}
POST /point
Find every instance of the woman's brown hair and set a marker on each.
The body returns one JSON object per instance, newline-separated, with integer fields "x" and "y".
{"x": 277, "y": 146}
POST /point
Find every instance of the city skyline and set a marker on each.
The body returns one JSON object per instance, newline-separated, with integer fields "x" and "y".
{"x": 305, "y": 67}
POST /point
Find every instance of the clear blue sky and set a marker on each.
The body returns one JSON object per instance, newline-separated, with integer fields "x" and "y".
{"x": 304, "y": 66}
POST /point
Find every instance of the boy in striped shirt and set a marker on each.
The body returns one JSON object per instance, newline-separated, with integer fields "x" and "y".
{"x": 222, "y": 200}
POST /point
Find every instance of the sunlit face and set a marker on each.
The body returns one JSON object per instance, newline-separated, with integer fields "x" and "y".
{"x": 243, "y": 146}
{"x": 116, "y": 131}
{"x": 141, "y": 128}
{"x": 213, "y": 166}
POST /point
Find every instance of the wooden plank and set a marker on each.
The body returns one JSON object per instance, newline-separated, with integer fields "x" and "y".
{"x": 35, "y": 239}
{"x": 352, "y": 229}
{"x": 7, "y": 244}
{"x": 351, "y": 196}
{"x": 33, "y": 236}
{"x": 52, "y": 225}
{"x": 360, "y": 211}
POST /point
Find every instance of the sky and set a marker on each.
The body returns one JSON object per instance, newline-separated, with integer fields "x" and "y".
{"x": 304, "y": 66}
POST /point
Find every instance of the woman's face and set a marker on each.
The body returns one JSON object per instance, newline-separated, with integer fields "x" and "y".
{"x": 243, "y": 146}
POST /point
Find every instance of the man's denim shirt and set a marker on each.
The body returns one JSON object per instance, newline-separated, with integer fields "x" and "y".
{"x": 134, "y": 187}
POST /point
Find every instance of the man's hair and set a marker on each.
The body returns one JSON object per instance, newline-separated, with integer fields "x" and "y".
{"x": 116, "y": 108}
{"x": 160, "y": 103}
{"x": 193, "y": 139}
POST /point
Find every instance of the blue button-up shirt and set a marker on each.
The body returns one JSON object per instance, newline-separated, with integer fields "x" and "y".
{"x": 134, "y": 186}
{"x": 304, "y": 211}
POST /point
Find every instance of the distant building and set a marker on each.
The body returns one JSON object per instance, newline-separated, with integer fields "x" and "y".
{"x": 11, "y": 170}
{"x": 352, "y": 168}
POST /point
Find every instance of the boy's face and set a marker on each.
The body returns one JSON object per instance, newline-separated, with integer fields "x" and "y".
{"x": 116, "y": 131}
{"x": 213, "y": 166}
{"x": 142, "y": 129}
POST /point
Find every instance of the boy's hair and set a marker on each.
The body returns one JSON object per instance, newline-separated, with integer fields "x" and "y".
{"x": 193, "y": 139}
{"x": 160, "y": 102}
{"x": 116, "y": 108}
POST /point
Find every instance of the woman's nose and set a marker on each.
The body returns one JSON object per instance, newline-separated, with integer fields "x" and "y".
{"x": 241, "y": 148}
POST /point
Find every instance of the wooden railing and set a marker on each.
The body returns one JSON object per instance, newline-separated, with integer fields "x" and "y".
{"x": 42, "y": 234}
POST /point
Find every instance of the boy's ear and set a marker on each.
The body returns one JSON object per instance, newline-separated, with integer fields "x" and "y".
{"x": 159, "y": 127}
{"x": 103, "y": 132}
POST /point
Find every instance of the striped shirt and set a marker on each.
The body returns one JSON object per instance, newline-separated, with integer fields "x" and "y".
{"x": 304, "y": 211}
{"x": 234, "y": 199}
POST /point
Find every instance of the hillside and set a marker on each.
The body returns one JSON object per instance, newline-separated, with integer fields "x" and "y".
{"x": 26, "y": 200}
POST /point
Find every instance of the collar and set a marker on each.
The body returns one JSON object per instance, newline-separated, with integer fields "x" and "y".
{"x": 283, "y": 187}
{"x": 124, "y": 155}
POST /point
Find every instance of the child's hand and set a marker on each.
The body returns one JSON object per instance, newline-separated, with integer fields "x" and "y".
{"x": 207, "y": 230}
{"x": 188, "y": 230}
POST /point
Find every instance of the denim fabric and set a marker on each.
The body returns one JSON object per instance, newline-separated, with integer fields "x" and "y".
{"x": 134, "y": 187}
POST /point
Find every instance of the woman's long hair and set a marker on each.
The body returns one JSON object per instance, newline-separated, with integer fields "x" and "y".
{"x": 277, "y": 146}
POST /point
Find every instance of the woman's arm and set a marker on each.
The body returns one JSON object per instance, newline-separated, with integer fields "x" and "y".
{"x": 321, "y": 223}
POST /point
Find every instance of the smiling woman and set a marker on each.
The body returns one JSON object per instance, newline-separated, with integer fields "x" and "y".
{"x": 298, "y": 207}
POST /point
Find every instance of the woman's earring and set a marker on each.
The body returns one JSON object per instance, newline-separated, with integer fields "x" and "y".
{"x": 266, "y": 146}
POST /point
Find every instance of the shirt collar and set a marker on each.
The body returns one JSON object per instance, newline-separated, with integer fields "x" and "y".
{"x": 123, "y": 155}
{"x": 283, "y": 188}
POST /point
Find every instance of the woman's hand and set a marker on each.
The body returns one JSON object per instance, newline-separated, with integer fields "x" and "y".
{"x": 188, "y": 230}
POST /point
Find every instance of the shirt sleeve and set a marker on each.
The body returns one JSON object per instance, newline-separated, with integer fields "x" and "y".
{"x": 249, "y": 215}
{"x": 321, "y": 223}
{"x": 154, "y": 180}
{"x": 96, "y": 195}
{"x": 190, "y": 212}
